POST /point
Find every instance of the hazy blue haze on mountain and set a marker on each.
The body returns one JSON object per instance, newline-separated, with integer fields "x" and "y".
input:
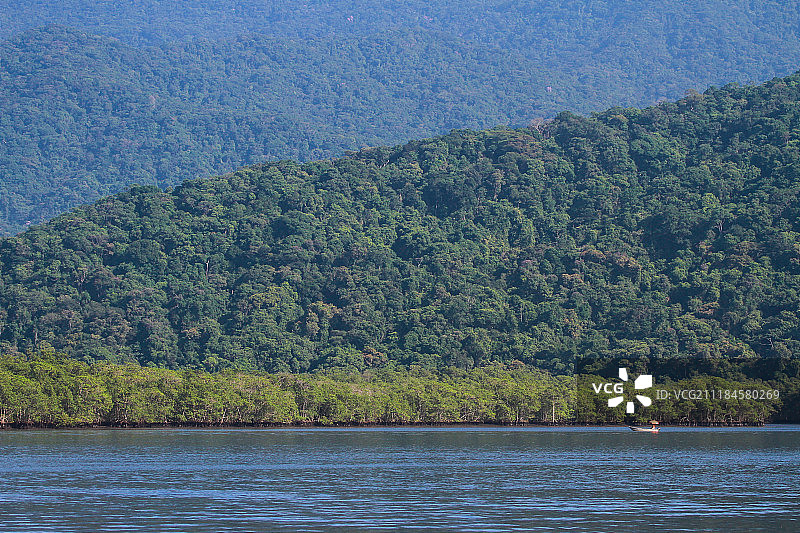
{"x": 86, "y": 115}
{"x": 179, "y": 90}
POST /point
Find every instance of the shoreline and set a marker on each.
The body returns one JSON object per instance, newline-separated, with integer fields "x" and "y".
{"x": 375, "y": 426}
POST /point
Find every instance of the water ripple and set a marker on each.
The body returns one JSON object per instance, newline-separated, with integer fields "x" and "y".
{"x": 400, "y": 479}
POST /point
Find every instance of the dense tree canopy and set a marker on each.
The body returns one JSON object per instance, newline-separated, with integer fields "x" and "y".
{"x": 48, "y": 390}
{"x": 52, "y": 391}
{"x": 177, "y": 90}
{"x": 664, "y": 231}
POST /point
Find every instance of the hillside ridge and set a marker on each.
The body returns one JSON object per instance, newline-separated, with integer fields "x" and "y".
{"x": 170, "y": 93}
{"x": 665, "y": 231}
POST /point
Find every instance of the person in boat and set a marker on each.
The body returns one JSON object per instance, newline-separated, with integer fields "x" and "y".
{"x": 652, "y": 429}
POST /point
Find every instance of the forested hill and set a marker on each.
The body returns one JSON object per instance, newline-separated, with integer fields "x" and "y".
{"x": 664, "y": 231}
{"x": 177, "y": 90}
{"x": 85, "y": 116}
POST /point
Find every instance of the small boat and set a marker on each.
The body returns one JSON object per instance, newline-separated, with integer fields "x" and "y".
{"x": 646, "y": 430}
{"x": 651, "y": 429}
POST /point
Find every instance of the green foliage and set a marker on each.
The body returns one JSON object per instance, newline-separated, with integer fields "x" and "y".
{"x": 660, "y": 232}
{"x": 200, "y": 88}
{"x": 702, "y": 400}
{"x": 46, "y": 390}
{"x": 49, "y": 390}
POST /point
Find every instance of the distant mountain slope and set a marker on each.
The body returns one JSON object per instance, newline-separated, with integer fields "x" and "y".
{"x": 664, "y": 231}
{"x": 85, "y": 116}
{"x": 726, "y": 29}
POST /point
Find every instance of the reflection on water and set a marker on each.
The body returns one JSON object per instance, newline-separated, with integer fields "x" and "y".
{"x": 465, "y": 479}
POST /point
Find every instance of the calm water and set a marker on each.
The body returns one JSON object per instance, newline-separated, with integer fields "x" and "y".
{"x": 389, "y": 479}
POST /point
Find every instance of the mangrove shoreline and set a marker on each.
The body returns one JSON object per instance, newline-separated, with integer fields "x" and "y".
{"x": 49, "y": 390}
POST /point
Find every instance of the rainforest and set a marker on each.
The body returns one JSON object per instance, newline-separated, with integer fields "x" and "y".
{"x": 98, "y": 96}
{"x": 647, "y": 232}
{"x": 454, "y": 265}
